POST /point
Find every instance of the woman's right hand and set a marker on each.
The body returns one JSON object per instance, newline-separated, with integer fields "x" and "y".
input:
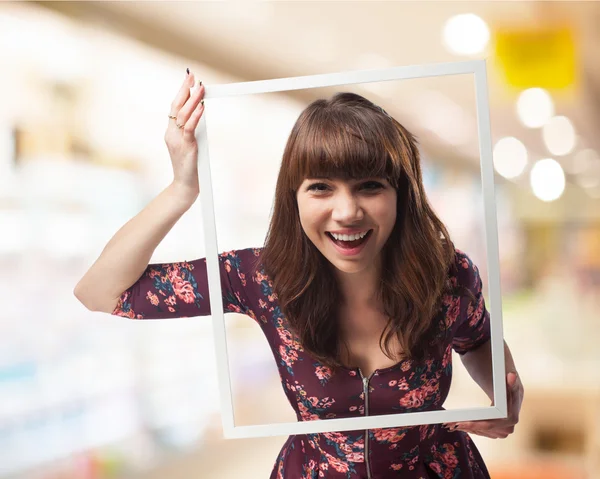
{"x": 181, "y": 142}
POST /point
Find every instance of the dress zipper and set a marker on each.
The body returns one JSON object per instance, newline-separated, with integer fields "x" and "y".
{"x": 365, "y": 382}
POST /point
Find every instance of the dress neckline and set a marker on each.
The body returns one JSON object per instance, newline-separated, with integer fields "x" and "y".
{"x": 380, "y": 370}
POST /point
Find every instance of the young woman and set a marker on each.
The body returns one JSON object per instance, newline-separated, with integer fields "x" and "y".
{"x": 358, "y": 290}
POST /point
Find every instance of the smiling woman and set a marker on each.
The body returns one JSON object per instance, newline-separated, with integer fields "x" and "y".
{"x": 358, "y": 289}
{"x": 349, "y": 168}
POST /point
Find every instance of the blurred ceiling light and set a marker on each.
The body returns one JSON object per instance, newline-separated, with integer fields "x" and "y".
{"x": 535, "y": 107}
{"x": 559, "y": 135}
{"x": 510, "y": 157}
{"x": 465, "y": 34}
{"x": 547, "y": 179}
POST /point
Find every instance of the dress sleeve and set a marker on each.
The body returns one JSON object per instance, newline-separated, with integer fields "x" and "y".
{"x": 180, "y": 290}
{"x": 473, "y": 323}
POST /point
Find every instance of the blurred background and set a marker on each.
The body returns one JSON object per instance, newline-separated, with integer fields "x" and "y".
{"x": 85, "y": 91}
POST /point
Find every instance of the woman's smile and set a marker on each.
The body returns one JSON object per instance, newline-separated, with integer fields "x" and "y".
{"x": 350, "y": 245}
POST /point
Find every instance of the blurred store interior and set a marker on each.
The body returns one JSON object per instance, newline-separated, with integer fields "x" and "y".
{"x": 85, "y": 91}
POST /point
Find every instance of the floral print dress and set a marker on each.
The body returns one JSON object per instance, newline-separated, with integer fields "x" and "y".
{"x": 178, "y": 290}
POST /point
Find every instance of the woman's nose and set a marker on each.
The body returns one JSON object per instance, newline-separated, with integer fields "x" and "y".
{"x": 346, "y": 209}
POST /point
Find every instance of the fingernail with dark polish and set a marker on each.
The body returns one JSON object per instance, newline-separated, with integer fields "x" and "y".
{"x": 202, "y": 102}
{"x": 200, "y": 84}
{"x": 187, "y": 70}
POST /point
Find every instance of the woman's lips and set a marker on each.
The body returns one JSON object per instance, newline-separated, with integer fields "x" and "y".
{"x": 353, "y": 250}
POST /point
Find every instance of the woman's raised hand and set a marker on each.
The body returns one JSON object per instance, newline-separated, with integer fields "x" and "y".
{"x": 186, "y": 111}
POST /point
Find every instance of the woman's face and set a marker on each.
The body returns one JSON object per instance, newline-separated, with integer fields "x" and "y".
{"x": 328, "y": 206}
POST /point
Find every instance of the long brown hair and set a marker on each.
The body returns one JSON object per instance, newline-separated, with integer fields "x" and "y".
{"x": 349, "y": 137}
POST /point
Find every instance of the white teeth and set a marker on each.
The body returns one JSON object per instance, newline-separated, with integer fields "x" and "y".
{"x": 349, "y": 237}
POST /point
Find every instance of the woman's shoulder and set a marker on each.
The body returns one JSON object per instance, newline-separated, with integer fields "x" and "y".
{"x": 246, "y": 259}
{"x": 462, "y": 260}
{"x": 464, "y": 271}
{"x": 250, "y": 286}
{"x": 242, "y": 253}
{"x": 247, "y": 263}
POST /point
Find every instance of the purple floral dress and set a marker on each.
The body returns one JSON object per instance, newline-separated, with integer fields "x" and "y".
{"x": 178, "y": 290}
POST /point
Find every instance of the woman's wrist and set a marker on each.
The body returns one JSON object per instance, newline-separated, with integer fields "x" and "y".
{"x": 185, "y": 193}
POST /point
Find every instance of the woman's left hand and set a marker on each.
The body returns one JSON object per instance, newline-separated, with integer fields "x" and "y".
{"x": 497, "y": 428}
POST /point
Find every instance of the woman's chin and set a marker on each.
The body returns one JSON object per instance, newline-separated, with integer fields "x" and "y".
{"x": 349, "y": 265}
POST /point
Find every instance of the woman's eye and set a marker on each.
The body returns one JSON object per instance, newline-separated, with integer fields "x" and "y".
{"x": 369, "y": 185}
{"x": 373, "y": 185}
{"x": 317, "y": 187}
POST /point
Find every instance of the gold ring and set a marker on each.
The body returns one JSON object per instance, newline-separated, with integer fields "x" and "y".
{"x": 179, "y": 126}
{"x": 172, "y": 117}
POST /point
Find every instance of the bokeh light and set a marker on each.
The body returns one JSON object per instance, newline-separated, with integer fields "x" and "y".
{"x": 559, "y": 135}
{"x": 547, "y": 179}
{"x": 466, "y": 34}
{"x": 510, "y": 157}
{"x": 535, "y": 107}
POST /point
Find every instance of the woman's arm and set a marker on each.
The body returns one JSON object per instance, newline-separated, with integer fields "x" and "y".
{"x": 478, "y": 363}
{"x": 472, "y": 342}
{"x": 127, "y": 254}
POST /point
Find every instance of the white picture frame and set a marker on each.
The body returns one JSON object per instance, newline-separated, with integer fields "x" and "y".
{"x": 496, "y": 411}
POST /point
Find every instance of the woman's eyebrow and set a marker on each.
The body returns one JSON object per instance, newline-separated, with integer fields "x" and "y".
{"x": 351, "y": 180}
{"x": 318, "y": 177}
